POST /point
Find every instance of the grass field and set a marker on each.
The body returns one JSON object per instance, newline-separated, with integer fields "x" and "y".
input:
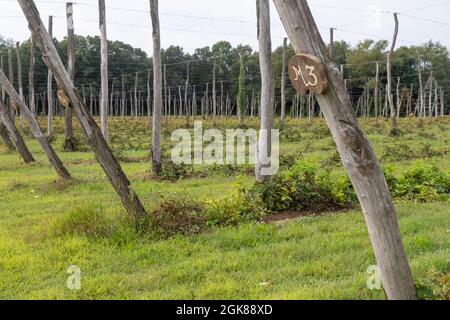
{"x": 320, "y": 257}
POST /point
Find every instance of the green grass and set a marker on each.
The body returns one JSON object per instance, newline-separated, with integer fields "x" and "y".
{"x": 322, "y": 257}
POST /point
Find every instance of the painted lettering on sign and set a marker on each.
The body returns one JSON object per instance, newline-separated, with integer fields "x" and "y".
{"x": 307, "y": 73}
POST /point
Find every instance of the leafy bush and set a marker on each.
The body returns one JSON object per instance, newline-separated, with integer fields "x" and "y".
{"x": 288, "y": 160}
{"x": 422, "y": 182}
{"x": 240, "y": 207}
{"x": 174, "y": 172}
{"x": 304, "y": 189}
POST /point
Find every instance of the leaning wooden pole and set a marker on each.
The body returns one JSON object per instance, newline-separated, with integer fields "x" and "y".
{"x": 69, "y": 143}
{"x": 4, "y": 136}
{"x": 356, "y": 153}
{"x": 103, "y": 70}
{"x": 14, "y": 134}
{"x": 34, "y": 126}
{"x": 104, "y": 155}
{"x": 157, "y": 88}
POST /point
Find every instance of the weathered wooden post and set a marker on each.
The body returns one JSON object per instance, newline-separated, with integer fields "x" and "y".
{"x": 240, "y": 98}
{"x": 34, "y": 126}
{"x": 186, "y": 89}
{"x": 356, "y": 152}
{"x": 157, "y": 88}
{"x": 389, "y": 79}
{"x": 11, "y": 79}
{"x": 124, "y": 97}
{"x": 430, "y": 96}
{"x": 19, "y": 70}
{"x": 399, "y": 98}
{"x": 421, "y": 97}
{"x": 69, "y": 143}
{"x": 14, "y": 134}
{"x": 111, "y": 99}
{"x": 104, "y": 155}
{"x": 32, "y": 103}
{"x": 377, "y": 80}
{"x": 283, "y": 83}
{"x": 331, "y": 42}
{"x": 6, "y": 140}
{"x": 264, "y": 148}
{"x": 221, "y": 100}
{"x": 165, "y": 91}
{"x": 104, "y": 70}
{"x": 149, "y": 99}
{"x": 214, "y": 111}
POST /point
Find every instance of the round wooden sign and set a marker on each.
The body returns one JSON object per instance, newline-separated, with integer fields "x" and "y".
{"x": 307, "y": 73}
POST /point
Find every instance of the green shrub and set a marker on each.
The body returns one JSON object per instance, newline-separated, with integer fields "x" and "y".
{"x": 303, "y": 188}
{"x": 288, "y": 160}
{"x": 240, "y": 207}
{"x": 174, "y": 172}
{"x": 422, "y": 182}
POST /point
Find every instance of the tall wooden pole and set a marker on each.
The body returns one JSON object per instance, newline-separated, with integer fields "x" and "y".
{"x": 422, "y": 102}
{"x": 430, "y": 96}
{"x": 104, "y": 70}
{"x": 377, "y": 80}
{"x": 214, "y": 93}
{"x": 103, "y": 153}
{"x": 165, "y": 91}
{"x": 123, "y": 99}
{"x": 49, "y": 87}
{"x": 356, "y": 152}
{"x": 389, "y": 79}
{"x": 31, "y": 90}
{"x": 19, "y": 70}
{"x": 331, "y": 42}
{"x": 283, "y": 82}
{"x": 135, "y": 105}
{"x": 149, "y": 98}
{"x": 240, "y": 98}
{"x": 264, "y": 148}
{"x": 186, "y": 89}
{"x": 11, "y": 79}
{"x": 157, "y": 88}
{"x": 69, "y": 143}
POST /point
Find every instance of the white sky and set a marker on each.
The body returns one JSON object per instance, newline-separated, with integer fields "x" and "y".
{"x": 198, "y": 23}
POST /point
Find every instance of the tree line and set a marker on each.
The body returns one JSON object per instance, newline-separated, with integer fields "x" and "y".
{"x": 358, "y": 64}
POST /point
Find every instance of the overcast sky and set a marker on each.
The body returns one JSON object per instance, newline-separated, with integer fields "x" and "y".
{"x": 198, "y": 23}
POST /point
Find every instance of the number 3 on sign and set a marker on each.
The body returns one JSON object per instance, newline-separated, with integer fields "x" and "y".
{"x": 298, "y": 72}
{"x": 307, "y": 73}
